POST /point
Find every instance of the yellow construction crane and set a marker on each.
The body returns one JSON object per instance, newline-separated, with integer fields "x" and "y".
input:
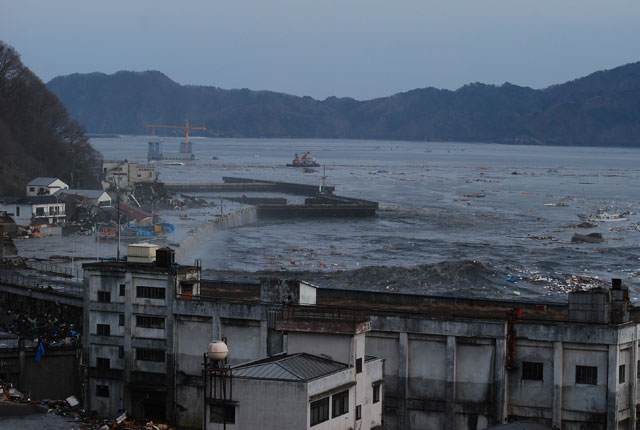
{"x": 186, "y": 129}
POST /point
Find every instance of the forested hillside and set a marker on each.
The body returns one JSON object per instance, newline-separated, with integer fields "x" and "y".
{"x": 600, "y": 109}
{"x": 37, "y": 137}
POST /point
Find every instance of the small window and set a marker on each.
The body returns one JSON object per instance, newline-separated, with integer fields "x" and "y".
{"x": 32, "y": 189}
{"x": 358, "y": 412}
{"x": 40, "y": 211}
{"x": 121, "y": 352}
{"x": 103, "y": 363}
{"x": 149, "y": 321}
{"x": 638, "y": 369}
{"x": 120, "y": 320}
{"x": 319, "y": 411}
{"x": 222, "y": 413}
{"x": 17, "y": 210}
{"x": 587, "y": 375}
{"x": 144, "y": 354}
{"x": 532, "y": 371}
{"x": 149, "y": 292}
{"x": 621, "y": 374}
{"x": 102, "y": 391}
{"x": 340, "y": 403}
{"x": 103, "y": 330}
{"x": 104, "y": 296}
{"x": 122, "y": 290}
{"x": 359, "y": 365}
{"x": 376, "y": 393}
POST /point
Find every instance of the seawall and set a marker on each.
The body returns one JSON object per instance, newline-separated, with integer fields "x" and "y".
{"x": 236, "y": 219}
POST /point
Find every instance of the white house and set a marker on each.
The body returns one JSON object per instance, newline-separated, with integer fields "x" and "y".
{"x": 45, "y": 186}
{"x": 96, "y": 197}
{"x": 34, "y": 210}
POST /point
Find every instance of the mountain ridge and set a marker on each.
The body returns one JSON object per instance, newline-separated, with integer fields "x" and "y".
{"x": 598, "y": 109}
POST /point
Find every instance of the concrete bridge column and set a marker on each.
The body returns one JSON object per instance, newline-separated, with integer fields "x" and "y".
{"x": 557, "y": 385}
{"x": 403, "y": 379}
{"x": 450, "y": 408}
{"x": 612, "y": 388}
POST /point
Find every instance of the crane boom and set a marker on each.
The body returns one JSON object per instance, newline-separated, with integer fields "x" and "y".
{"x": 185, "y": 127}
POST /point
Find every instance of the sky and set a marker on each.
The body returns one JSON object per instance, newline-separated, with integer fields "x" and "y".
{"x": 320, "y": 48}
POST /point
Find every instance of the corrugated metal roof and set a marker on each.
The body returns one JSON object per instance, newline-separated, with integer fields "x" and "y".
{"x": 298, "y": 367}
{"x": 42, "y": 181}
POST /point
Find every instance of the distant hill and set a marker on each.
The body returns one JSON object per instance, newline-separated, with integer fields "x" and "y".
{"x": 600, "y": 109}
{"x": 37, "y": 137}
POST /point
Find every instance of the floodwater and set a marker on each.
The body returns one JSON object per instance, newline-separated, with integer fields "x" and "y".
{"x": 499, "y": 210}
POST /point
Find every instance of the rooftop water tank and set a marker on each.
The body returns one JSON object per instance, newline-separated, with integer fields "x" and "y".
{"x": 217, "y": 350}
{"x": 143, "y": 252}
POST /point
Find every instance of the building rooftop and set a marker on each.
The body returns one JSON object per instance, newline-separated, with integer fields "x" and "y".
{"x": 516, "y": 425}
{"x": 29, "y": 200}
{"x": 297, "y": 368}
{"x": 42, "y": 182}
{"x": 91, "y": 194}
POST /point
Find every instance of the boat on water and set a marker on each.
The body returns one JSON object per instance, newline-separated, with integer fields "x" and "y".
{"x": 307, "y": 160}
{"x": 603, "y": 217}
{"x": 132, "y": 232}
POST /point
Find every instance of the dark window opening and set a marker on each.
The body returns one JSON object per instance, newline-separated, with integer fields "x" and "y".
{"x": 120, "y": 319}
{"x": 358, "y": 412}
{"x": 340, "y": 403}
{"x": 102, "y": 391}
{"x": 121, "y": 352}
{"x": 532, "y": 371}
{"x": 32, "y": 189}
{"x": 150, "y": 292}
{"x": 104, "y": 296}
{"x": 587, "y": 375}
{"x": 359, "y": 365}
{"x": 149, "y": 322}
{"x": 144, "y": 354}
{"x": 39, "y": 211}
{"x": 621, "y": 374}
{"x": 17, "y": 210}
{"x": 103, "y": 363}
{"x": 222, "y": 414}
{"x": 319, "y": 411}
{"x": 122, "y": 290}
{"x": 376, "y": 393}
{"x": 103, "y": 329}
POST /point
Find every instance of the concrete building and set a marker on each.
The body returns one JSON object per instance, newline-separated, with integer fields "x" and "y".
{"x": 37, "y": 210}
{"x": 124, "y": 175}
{"x": 93, "y": 197}
{"x": 450, "y": 363}
{"x": 335, "y": 387}
{"x": 45, "y": 186}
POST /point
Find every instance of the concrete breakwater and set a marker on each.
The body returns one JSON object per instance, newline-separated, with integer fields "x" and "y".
{"x": 236, "y": 219}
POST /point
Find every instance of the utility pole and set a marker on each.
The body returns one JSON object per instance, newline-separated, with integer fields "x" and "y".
{"x": 118, "y": 209}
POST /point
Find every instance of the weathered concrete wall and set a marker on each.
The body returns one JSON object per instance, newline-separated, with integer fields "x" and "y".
{"x": 332, "y": 346}
{"x": 243, "y": 339}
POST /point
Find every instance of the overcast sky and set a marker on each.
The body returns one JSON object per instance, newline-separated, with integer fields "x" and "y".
{"x": 356, "y": 48}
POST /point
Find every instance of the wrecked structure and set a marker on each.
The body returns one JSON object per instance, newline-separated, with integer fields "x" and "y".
{"x": 123, "y": 175}
{"x": 450, "y": 363}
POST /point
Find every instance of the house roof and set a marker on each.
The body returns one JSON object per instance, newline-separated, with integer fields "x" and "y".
{"x": 42, "y": 182}
{"x": 297, "y": 368}
{"x": 133, "y": 212}
{"x": 90, "y": 194}
{"x": 29, "y": 200}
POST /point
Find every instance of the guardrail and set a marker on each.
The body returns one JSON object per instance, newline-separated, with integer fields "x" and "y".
{"x": 13, "y": 277}
{"x": 67, "y": 272}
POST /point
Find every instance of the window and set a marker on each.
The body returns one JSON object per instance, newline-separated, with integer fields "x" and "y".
{"x": 103, "y": 363}
{"x": 32, "y": 189}
{"x": 150, "y": 292}
{"x": 621, "y": 375}
{"x": 102, "y": 391}
{"x": 103, "y": 329}
{"x": 145, "y": 354}
{"x": 149, "y": 322}
{"x": 121, "y": 352}
{"x": 376, "y": 393}
{"x": 358, "y": 412}
{"x": 532, "y": 371}
{"x": 222, "y": 413}
{"x": 359, "y": 365}
{"x": 104, "y": 296}
{"x": 120, "y": 320}
{"x": 340, "y": 403}
{"x": 587, "y": 375}
{"x": 638, "y": 370}
{"x": 319, "y": 411}
{"x": 40, "y": 211}
{"x": 17, "y": 210}
{"x": 122, "y": 290}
